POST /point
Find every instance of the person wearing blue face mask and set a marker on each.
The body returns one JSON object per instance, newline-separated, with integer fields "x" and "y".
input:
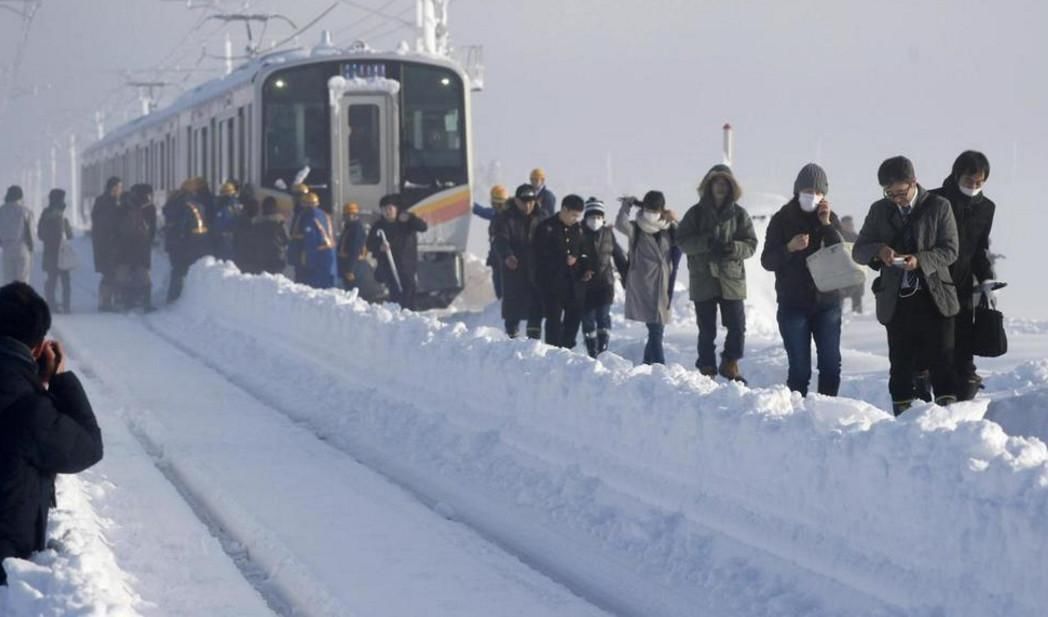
{"x": 796, "y": 231}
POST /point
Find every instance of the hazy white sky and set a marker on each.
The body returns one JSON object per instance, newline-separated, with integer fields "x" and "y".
{"x": 646, "y": 84}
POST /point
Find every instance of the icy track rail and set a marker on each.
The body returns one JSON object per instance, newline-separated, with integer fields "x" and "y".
{"x": 648, "y": 490}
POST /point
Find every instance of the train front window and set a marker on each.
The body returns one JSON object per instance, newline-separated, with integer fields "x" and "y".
{"x": 433, "y": 133}
{"x": 365, "y": 145}
{"x": 295, "y": 120}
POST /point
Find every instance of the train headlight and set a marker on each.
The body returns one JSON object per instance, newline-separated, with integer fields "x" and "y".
{"x": 446, "y": 81}
{"x": 280, "y": 83}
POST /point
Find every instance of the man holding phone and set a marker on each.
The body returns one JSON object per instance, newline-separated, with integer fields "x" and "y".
{"x": 47, "y": 426}
{"x": 910, "y": 236}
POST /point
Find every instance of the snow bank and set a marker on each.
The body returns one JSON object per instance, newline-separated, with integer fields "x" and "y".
{"x": 937, "y": 513}
{"x": 78, "y": 574}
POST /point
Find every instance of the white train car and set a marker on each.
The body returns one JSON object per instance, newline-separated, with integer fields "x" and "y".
{"x": 367, "y": 124}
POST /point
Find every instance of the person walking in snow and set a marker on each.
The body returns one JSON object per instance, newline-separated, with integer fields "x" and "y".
{"x": 910, "y": 237}
{"x": 717, "y": 236}
{"x": 499, "y": 196}
{"x": 269, "y": 239}
{"x": 547, "y": 201}
{"x": 973, "y": 212}
{"x": 514, "y": 230}
{"x": 136, "y": 228}
{"x": 605, "y": 257}
{"x": 295, "y": 233}
{"x": 54, "y": 229}
{"x": 401, "y": 230}
{"x": 795, "y": 232}
{"x": 47, "y": 426}
{"x": 651, "y": 236}
{"x": 243, "y": 253}
{"x": 352, "y": 247}
{"x": 16, "y": 238}
{"x": 559, "y": 267}
{"x": 103, "y": 241}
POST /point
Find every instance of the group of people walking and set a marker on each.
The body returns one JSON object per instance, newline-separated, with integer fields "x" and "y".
{"x": 930, "y": 250}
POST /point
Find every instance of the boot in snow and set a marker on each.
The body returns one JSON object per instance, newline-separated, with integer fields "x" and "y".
{"x": 729, "y": 369}
{"x": 591, "y": 346}
{"x": 603, "y": 337}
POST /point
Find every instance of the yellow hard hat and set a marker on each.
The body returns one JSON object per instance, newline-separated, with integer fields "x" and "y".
{"x": 228, "y": 190}
{"x": 537, "y": 174}
{"x": 499, "y": 193}
{"x": 311, "y": 199}
{"x": 350, "y": 208}
{"x": 299, "y": 189}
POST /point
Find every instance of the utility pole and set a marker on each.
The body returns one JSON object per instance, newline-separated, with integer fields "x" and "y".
{"x": 74, "y": 183}
{"x": 54, "y": 165}
{"x": 147, "y": 93}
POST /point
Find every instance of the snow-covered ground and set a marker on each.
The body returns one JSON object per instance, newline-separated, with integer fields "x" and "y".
{"x": 273, "y": 449}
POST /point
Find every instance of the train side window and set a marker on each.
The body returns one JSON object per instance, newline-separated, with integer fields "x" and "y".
{"x": 365, "y": 145}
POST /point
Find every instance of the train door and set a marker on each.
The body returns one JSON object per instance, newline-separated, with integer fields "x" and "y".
{"x": 365, "y": 145}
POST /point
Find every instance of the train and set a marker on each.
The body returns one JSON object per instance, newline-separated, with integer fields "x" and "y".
{"x": 364, "y": 123}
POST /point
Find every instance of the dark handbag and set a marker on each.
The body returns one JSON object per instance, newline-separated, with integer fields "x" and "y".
{"x": 989, "y": 339}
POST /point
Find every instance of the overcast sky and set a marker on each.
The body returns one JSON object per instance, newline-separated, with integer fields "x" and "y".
{"x": 634, "y": 92}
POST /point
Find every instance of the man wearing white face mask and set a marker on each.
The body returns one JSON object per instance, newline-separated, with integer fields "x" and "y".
{"x": 973, "y": 212}
{"x": 797, "y": 230}
{"x": 559, "y": 266}
{"x": 605, "y": 257}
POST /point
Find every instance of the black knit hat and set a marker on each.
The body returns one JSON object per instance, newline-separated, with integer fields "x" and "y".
{"x": 653, "y": 200}
{"x": 14, "y": 193}
{"x": 573, "y": 203}
{"x": 56, "y": 197}
{"x": 389, "y": 200}
{"x": 896, "y": 169}
{"x": 814, "y": 177}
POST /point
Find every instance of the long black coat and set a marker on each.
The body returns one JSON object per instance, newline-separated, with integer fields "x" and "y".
{"x": 269, "y": 242}
{"x": 42, "y": 433}
{"x": 403, "y": 242}
{"x": 103, "y": 233}
{"x": 554, "y": 242}
{"x": 52, "y": 229}
{"x": 794, "y": 285}
{"x": 974, "y": 216}
{"x": 513, "y": 232}
{"x": 186, "y": 231}
{"x": 135, "y": 232}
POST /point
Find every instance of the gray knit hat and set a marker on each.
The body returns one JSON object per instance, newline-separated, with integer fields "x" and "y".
{"x": 812, "y": 176}
{"x": 595, "y": 206}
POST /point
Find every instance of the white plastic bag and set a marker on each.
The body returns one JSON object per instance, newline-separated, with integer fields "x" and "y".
{"x": 833, "y": 268}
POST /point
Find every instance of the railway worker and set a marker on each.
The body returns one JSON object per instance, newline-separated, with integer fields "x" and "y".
{"x": 103, "y": 241}
{"x": 269, "y": 239}
{"x": 499, "y": 196}
{"x": 317, "y": 260}
{"x": 294, "y": 249}
{"x": 514, "y": 230}
{"x": 560, "y": 262}
{"x": 973, "y": 212}
{"x": 605, "y": 257}
{"x": 352, "y": 246}
{"x": 16, "y": 238}
{"x": 799, "y": 229}
{"x": 136, "y": 229}
{"x": 48, "y": 424}
{"x": 54, "y": 229}
{"x": 401, "y": 229}
{"x": 717, "y": 236}
{"x": 243, "y": 254}
{"x": 651, "y": 236}
{"x": 547, "y": 201}
{"x": 910, "y": 237}
{"x": 185, "y": 216}
{"x": 224, "y": 221}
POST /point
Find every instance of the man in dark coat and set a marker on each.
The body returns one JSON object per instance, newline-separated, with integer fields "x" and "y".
{"x": 352, "y": 247}
{"x": 269, "y": 239}
{"x": 54, "y": 229}
{"x": 185, "y": 217}
{"x": 223, "y": 221}
{"x": 604, "y": 257}
{"x": 973, "y": 211}
{"x": 136, "y": 228}
{"x": 243, "y": 253}
{"x": 47, "y": 426}
{"x": 103, "y": 241}
{"x": 296, "y": 234}
{"x": 795, "y": 232}
{"x": 513, "y": 231}
{"x": 910, "y": 236}
{"x": 401, "y": 229}
{"x": 560, "y": 263}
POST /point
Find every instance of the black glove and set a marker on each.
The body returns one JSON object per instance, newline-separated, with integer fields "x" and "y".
{"x": 727, "y": 248}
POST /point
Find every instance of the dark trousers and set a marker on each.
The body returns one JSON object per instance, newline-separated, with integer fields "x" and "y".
{"x": 596, "y": 319}
{"x": 53, "y": 278}
{"x": 404, "y": 295}
{"x": 733, "y": 317}
{"x": 535, "y": 312}
{"x": 563, "y": 317}
{"x": 798, "y": 328}
{"x": 653, "y": 352}
{"x": 107, "y": 289}
{"x": 496, "y": 281}
{"x": 178, "y": 279}
{"x": 964, "y": 331}
{"x": 919, "y": 334}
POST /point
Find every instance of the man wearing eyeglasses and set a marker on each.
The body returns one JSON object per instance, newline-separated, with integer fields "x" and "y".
{"x": 910, "y": 237}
